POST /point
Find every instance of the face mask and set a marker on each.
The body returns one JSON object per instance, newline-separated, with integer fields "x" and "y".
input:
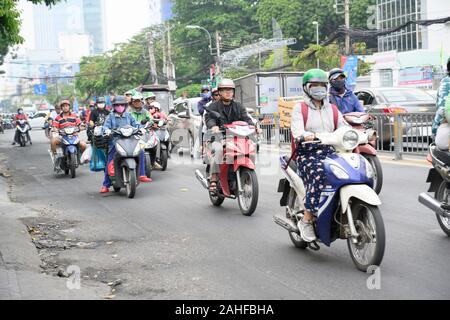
{"x": 338, "y": 84}
{"x": 119, "y": 109}
{"x": 20, "y": 112}
{"x": 206, "y": 95}
{"x": 318, "y": 93}
{"x": 101, "y": 105}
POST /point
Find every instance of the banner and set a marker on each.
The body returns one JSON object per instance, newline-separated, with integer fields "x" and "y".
{"x": 350, "y": 66}
{"x": 416, "y": 76}
{"x": 40, "y": 89}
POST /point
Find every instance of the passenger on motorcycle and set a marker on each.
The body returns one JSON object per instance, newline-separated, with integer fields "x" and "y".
{"x": 149, "y": 98}
{"x": 441, "y": 124}
{"x": 156, "y": 112}
{"x": 98, "y": 116}
{"x": 19, "y": 116}
{"x": 322, "y": 117}
{"x": 65, "y": 119}
{"x": 230, "y": 111}
{"x": 340, "y": 95}
{"x": 119, "y": 118}
{"x": 206, "y": 98}
{"x": 215, "y": 97}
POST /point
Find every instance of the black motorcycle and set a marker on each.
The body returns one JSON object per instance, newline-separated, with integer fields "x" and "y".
{"x": 439, "y": 177}
{"x": 163, "y": 135}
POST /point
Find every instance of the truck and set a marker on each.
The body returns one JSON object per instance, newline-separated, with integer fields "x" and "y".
{"x": 164, "y": 95}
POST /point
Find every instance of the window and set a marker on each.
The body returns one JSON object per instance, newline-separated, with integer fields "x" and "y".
{"x": 181, "y": 107}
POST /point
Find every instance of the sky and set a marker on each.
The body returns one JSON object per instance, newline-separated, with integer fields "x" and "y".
{"x": 123, "y": 20}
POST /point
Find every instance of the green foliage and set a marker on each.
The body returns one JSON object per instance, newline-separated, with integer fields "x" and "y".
{"x": 193, "y": 90}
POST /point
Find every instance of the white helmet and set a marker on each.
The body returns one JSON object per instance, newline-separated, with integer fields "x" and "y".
{"x": 156, "y": 105}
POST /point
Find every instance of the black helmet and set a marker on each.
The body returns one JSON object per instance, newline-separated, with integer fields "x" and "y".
{"x": 119, "y": 100}
{"x": 335, "y": 73}
{"x": 100, "y": 100}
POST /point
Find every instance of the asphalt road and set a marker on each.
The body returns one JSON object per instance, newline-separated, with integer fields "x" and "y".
{"x": 171, "y": 243}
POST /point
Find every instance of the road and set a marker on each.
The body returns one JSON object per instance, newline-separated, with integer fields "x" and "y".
{"x": 171, "y": 243}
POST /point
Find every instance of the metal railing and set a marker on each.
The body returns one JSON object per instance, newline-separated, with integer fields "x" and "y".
{"x": 399, "y": 133}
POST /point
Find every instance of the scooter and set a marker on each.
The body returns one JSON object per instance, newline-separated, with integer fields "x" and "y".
{"x": 162, "y": 154}
{"x": 24, "y": 132}
{"x": 439, "y": 179}
{"x": 364, "y": 122}
{"x": 348, "y": 205}
{"x": 68, "y": 154}
{"x": 150, "y": 144}
{"x": 237, "y": 177}
{"x": 124, "y": 169}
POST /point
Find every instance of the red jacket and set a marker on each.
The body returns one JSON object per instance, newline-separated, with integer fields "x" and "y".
{"x": 20, "y": 117}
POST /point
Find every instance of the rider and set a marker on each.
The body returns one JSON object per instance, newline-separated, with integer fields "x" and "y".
{"x": 340, "y": 95}
{"x": 65, "y": 119}
{"x": 441, "y": 126}
{"x": 119, "y": 118}
{"x": 202, "y": 130}
{"x": 155, "y": 111}
{"x": 230, "y": 111}
{"x": 128, "y": 95}
{"x": 206, "y": 98}
{"x": 322, "y": 117}
{"x": 19, "y": 116}
{"x": 149, "y": 98}
{"x": 98, "y": 116}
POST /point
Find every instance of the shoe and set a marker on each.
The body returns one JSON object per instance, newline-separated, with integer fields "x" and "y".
{"x": 104, "y": 190}
{"x": 13, "y": 143}
{"x": 145, "y": 179}
{"x": 157, "y": 166}
{"x": 306, "y": 231}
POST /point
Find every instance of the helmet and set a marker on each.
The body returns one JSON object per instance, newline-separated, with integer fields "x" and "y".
{"x": 101, "y": 100}
{"x": 148, "y": 95}
{"x": 335, "y": 73}
{"x": 137, "y": 96}
{"x": 226, "y": 84}
{"x": 215, "y": 89}
{"x": 64, "y": 102}
{"x": 315, "y": 75}
{"x": 156, "y": 105}
{"x": 119, "y": 100}
{"x": 205, "y": 87}
{"x": 129, "y": 92}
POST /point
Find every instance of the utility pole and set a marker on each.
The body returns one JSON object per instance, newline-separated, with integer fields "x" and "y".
{"x": 151, "y": 54}
{"x": 218, "y": 68}
{"x": 170, "y": 65}
{"x": 164, "y": 53}
{"x": 347, "y": 26}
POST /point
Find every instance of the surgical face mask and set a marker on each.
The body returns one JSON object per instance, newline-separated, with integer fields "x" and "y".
{"x": 20, "y": 112}
{"x": 206, "y": 95}
{"x": 119, "y": 108}
{"x": 338, "y": 84}
{"x": 101, "y": 105}
{"x": 318, "y": 93}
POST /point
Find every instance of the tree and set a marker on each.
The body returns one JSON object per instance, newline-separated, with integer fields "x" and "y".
{"x": 10, "y": 24}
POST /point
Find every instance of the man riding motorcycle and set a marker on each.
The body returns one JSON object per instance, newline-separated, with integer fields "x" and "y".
{"x": 65, "y": 119}
{"x": 119, "y": 118}
{"x": 19, "y": 116}
{"x": 322, "y": 117}
{"x": 340, "y": 95}
{"x": 230, "y": 111}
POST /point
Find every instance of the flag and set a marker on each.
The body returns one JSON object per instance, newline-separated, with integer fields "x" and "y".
{"x": 75, "y": 105}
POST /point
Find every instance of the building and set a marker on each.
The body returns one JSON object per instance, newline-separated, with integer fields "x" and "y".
{"x": 75, "y": 45}
{"x": 414, "y": 56}
{"x": 160, "y": 11}
{"x": 94, "y": 24}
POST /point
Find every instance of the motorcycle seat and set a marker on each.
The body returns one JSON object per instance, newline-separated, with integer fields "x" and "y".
{"x": 443, "y": 156}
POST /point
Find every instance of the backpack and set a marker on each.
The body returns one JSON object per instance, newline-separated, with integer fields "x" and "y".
{"x": 305, "y": 111}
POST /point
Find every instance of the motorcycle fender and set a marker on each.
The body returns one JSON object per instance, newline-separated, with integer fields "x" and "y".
{"x": 130, "y": 163}
{"x": 359, "y": 191}
{"x": 435, "y": 179}
{"x": 71, "y": 149}
{"x": 163, "y": 146}
{"x": 245, "y": 162}
{"x": 285, "y": 187}
{"x": 366, "y": 149}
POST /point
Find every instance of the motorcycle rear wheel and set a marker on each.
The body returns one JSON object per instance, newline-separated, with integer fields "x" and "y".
{"x": 295, "y": 237}
{"x": 442, "y": 195}
{"x": 372, "y": 237}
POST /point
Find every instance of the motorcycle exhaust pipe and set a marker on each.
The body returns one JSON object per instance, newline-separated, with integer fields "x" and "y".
{"x": 201, "y": 178}
{"x": 285, "y": 223}
{"x": 431, "y": 203}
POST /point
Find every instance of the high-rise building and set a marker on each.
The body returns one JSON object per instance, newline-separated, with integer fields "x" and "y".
{"x": 94, "y": 24}
{"x": 160, "y": 10}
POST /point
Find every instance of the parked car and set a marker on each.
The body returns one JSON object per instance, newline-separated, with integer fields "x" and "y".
{"x": 183, "y": 125}
{"x": 384, "y": 102}
{"x": 38, "y": 120}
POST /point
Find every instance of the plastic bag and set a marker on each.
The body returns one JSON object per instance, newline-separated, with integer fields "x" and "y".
{"x": 98, "y": 161}
{"x": 87, "y": 154}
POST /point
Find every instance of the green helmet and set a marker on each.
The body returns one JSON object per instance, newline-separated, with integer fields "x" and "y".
{"x": 136, "y": 96}
{"x": 315, "y": 75}
{"x": 149, "y": 95}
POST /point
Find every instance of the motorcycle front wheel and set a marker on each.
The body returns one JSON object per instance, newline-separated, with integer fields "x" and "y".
{"x": 148, "y": 165}
{"x": 73, "y": 165}
{"x": 371, "y": 241}
{"x": 163, "y": 160}
{"x": 378, "y": 171}
{"x": 131, "y": 183}
{"x": 22, "y": 141}
{"x": 248, "y": 199}
{"x": 442, "y": 195}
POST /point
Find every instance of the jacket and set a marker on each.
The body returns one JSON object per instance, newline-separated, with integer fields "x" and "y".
{"x": 228, "y": 114}
{"x": 114, "y": 121}
{"x": 140, "y": 115}
{"x": 443, "y": 93}
{"x": 319, "y": 120}
{"x": 201, "y": 105}
{"x": 347, "y": 103}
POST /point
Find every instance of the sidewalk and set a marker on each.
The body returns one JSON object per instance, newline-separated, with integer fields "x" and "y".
{"x": 20, "y": 272}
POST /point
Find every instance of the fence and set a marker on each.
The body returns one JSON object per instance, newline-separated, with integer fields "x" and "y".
{"x": 400, "y": 133}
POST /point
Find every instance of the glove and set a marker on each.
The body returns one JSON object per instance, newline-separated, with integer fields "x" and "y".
{"x": 107, "y": 132}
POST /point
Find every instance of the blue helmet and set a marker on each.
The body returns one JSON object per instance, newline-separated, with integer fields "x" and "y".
{"x": 205, "y": 87}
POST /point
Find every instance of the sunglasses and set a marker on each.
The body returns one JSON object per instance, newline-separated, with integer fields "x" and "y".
{"x": 119, "y": 105}
{"x": 216, "y": 95}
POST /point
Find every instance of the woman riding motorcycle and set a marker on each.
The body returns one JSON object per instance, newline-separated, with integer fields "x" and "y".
{"x": 155, "y": 111}
{"x": 441, "y": 124}
{"x": 321, "y": 117}
{"x": 119, "y": 118}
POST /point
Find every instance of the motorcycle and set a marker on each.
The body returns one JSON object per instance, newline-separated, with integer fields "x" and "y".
{"x": 68, "y": 154}
{"x": 348, "y": 205}
{"x": 163, "y": 135}
{"x": 364, "y": 122}
{"x": 237, "y": 177}
{"x": 2, "y": 130}
{"x": 124, "y": 169}
{"x": 24, "y": 132}
{"x": 439, "y": 179}
{"x": 150, "y": 144}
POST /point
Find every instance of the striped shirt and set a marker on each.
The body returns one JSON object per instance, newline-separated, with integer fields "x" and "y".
{"x": 62, "y": 121}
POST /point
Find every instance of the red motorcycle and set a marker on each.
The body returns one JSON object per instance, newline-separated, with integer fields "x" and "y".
{"x": 364, "y": 122}
{"x": 237, "y": 177}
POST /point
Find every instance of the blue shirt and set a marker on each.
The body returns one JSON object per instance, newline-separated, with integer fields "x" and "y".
{"x": 443, "y": 93}
{"x": 114, "y": 121}
{"x": 349, "y": 102}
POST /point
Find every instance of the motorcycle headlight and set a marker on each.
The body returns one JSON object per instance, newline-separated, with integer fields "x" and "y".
{"x": 137, "y": 150}
{"x": 370, "y": 173}
{"x": 339, "y": 173}
{"x": 120, "y": 150}
{"x": 126, "y": 132}
{"x": 350, "y": 140}
{"x": 69, "y": 131}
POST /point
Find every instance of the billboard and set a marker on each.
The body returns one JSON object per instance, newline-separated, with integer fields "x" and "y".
{"x": 416, "y": 76}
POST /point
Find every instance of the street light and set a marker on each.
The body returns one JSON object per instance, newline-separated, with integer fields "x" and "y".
{"x": 209, "y": 36}
{"x": 317, "y": 37}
